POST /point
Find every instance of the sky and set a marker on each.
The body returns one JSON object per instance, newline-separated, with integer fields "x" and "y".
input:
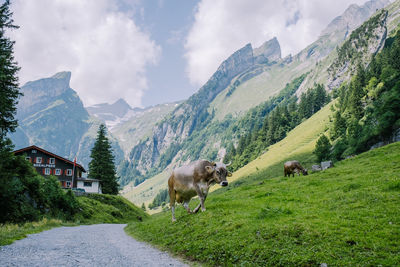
{"x": 154, "y": 51}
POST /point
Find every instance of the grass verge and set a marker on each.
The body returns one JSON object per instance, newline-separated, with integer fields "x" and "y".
{"x": 347, "y": 215}
{"x": 94, "y": 208}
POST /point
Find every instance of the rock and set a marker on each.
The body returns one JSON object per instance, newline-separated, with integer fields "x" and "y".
{"x": 268, "y": 52}
{"x": 316, "y": 168}
{"x": 326, "y": 164}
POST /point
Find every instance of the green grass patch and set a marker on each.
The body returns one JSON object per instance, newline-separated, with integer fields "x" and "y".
{"x": 344, "y": 216}
{"x": 93, "y": 208}
{"x": 101, "y": 208}
{"x": 10, "y": 232}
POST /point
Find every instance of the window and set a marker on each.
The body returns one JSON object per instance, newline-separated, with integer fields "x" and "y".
{"x": 38, "y": 159}
{"x": 68, "y": 184}
{"x": 47, "y": 171}
{"x": 87, "y": 184}
{"x": 52, "y": 161}
{"x": 68, "y": 172}
{"x": 34, "y": 151}
{"x": 58, "y": 172}
{"x": 28, "y": 158}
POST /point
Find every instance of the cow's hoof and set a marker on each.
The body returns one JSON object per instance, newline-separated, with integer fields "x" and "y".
{"x": 173, "y": 220}
{"x": 203, "y": 209}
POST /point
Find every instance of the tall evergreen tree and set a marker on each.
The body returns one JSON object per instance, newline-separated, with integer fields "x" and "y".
{"x": 9, "y": 91}
{"x": 102, "y": 165}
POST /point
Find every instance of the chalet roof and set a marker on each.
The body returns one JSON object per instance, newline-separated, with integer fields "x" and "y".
{"x": 20, "y": 151}
{"x": 87, "y": 179}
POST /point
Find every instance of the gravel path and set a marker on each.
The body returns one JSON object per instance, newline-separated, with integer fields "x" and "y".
{"x": 87, "y": 245}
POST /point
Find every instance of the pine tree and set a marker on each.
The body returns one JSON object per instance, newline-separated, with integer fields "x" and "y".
{"x": 102, "y": 165}
{"x": 322, "y": 148}
{"x": 9, "y": 91}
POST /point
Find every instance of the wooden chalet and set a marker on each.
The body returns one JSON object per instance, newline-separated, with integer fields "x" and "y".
{"x": 47, "y": 163}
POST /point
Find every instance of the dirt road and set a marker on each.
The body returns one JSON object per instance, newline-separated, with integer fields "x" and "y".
{"x": 88, "y": 245}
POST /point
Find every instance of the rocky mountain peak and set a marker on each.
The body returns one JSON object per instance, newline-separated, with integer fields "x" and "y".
{"x": 354, "y": 16}
{"x": 63, "y": 75}
{"x": 110, "y": 112}
{"x": 268, "y": 52}
{"x": 237, "y": 62}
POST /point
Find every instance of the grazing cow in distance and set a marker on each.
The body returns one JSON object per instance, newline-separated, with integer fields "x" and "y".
{"x": 290, "y": 167}
{"x": 195, "y": 179}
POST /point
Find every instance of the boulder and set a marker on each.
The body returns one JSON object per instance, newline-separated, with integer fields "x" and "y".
{"x": 316, "y": 168}
{"x": 326, "y": 164}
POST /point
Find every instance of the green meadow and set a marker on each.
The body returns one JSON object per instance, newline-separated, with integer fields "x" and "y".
{"x": 348, "y": 215}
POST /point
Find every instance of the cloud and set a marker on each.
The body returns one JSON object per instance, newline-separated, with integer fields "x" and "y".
{"x": 222, "y": 27}
{"x": 102, "y": 46}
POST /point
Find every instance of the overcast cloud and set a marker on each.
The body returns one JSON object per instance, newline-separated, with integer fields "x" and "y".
{"x": 103, "y": 47}
{"x": 222, "y": 27}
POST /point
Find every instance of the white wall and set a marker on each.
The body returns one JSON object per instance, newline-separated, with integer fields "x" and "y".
{"x": 90, "y": 189}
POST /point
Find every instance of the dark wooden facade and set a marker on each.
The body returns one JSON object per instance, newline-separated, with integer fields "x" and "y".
{"x": 47, "y": 163}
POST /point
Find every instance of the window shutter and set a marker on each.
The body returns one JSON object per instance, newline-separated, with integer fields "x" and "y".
{"x": 34, "y": 160}
{"x": 54, "y": 161}
{"x": 43, "y": 170}
{"x": 48, "y": 160}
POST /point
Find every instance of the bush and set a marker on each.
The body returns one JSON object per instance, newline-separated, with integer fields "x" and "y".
{"x": 27, "y": 196}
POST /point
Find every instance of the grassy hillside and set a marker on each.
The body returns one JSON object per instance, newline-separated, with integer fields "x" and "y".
{"x": 301, "y": 140}
{"x": 93, "y": 208}
{"x": 347, "y": 215}
{"x": 298, "y": 144}
{"x": 146, "y": 191}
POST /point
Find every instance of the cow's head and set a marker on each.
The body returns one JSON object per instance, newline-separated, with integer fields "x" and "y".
{"x": 305, "y": 172}
{"x": 219, "y": 173}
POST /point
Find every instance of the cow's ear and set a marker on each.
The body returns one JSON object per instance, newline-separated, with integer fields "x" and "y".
{"x": 229, "y": 174}
{"x": 209, "y": 169}
{"x": 214, "y": 164}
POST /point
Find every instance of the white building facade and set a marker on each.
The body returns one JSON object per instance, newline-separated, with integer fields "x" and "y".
{"x": 89, "y": 185}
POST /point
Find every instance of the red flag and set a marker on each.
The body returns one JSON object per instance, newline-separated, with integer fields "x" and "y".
{"x": 74, "y": 161}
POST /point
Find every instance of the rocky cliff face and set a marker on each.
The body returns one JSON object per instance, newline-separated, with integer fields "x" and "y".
{"x": 361, "y": 46}
{"x": 113, "y": 114}
{"x": 189, "y": 115}
{"x": 51, "y": 115}
{"x": 333, "y": 37}
{"x": 354, "y": 16}
{"x": 268, "y": 52}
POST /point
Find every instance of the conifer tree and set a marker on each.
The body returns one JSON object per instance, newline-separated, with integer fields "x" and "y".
{"x": 102, "y": 166}
{"x": 322, "y": 148}
{"x": 9, "y": 91}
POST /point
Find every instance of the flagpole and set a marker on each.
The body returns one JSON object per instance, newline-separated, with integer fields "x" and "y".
{"x": 73, "y": 173}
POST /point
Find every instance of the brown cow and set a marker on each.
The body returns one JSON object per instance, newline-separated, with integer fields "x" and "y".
{"x": 290, "y": 167}
{"x": 195, "y": 179}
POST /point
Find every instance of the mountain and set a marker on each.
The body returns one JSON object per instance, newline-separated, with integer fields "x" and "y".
{"x": 112, "y": 114}
{"x": 138, "y": 123}
{"x": 199, "y": 126}
{"x": 51, "y": 115}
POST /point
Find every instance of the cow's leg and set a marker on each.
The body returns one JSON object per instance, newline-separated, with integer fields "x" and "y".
{"x": 172, "y": 195}
{"x": 202, "y": 198}
{"x": 197, "y": 208}
{"x": 186, "y": 205}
